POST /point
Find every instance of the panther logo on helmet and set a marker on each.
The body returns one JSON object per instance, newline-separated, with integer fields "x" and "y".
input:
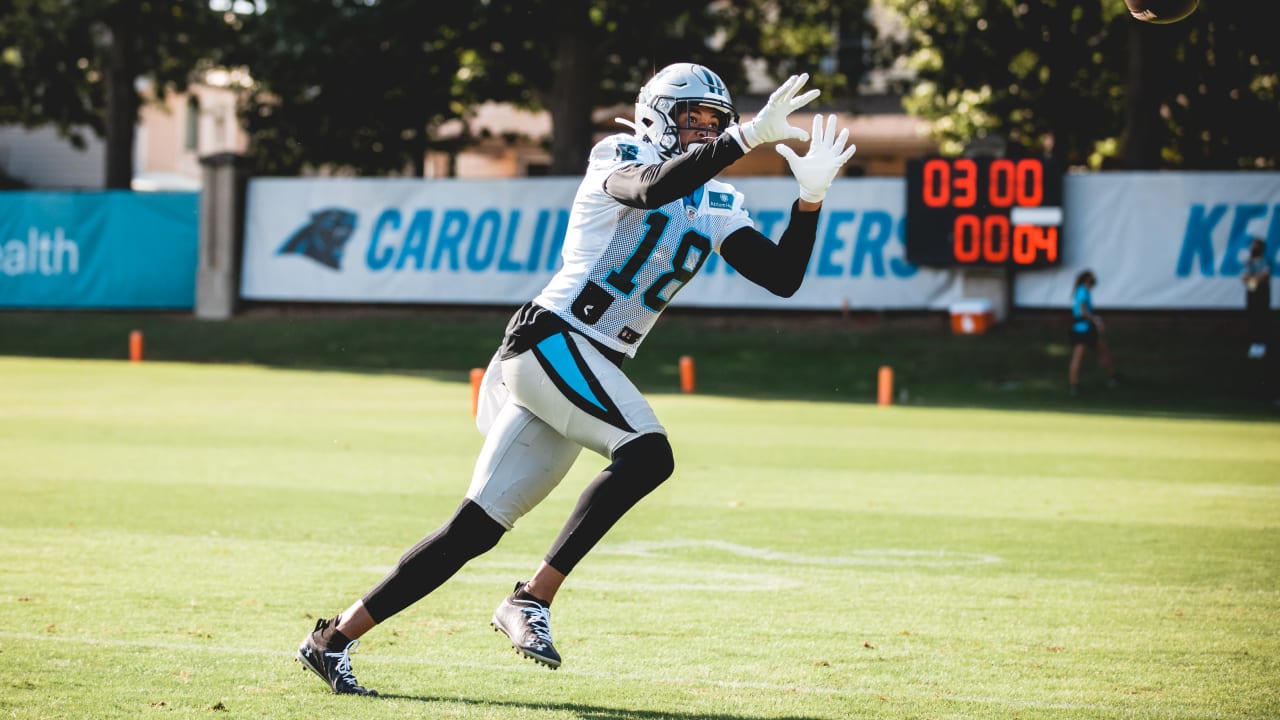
{"x": 713, "y": 81}
{"x": 671, "y": 93}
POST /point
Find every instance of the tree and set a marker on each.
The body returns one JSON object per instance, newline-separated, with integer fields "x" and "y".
{"x": 353, "y": 84}
{"x": 1032, "y": 75}
{"x": 571, "y": 57}
{"x": 1219, "y": 86}
{"x": 74, "y": 64}
{"x": 1089, "y": 85}
{"x": 369, "y": 83}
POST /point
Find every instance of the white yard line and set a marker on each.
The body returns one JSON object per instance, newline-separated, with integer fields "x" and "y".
{"x": 869, "y": 557}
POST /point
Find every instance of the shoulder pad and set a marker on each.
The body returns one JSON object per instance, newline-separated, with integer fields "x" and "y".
{"x": 623, "y": 148}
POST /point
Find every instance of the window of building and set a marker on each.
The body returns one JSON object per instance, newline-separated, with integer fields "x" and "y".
{"x": 193, "y": 123}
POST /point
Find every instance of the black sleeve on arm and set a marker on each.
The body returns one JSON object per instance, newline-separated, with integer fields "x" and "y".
{"x": 652, "y": 186}
{"x": 776, "y": 268}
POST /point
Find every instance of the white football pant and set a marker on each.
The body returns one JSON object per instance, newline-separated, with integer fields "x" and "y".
{"x": 538, "y": 410}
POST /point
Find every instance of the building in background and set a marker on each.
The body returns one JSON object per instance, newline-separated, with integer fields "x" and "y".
{"x": 173, "y": 134}
{"x": 511, "y": 142}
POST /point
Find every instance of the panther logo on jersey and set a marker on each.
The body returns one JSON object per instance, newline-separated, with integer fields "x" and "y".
{"x": 324, "y": 238}
{"x": 628, "y": 152}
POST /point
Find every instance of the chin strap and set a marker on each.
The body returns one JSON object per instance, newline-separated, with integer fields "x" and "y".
{"x": 629, "y": 123}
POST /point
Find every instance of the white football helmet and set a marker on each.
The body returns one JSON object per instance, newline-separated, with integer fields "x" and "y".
{"x": 671, "y": 93}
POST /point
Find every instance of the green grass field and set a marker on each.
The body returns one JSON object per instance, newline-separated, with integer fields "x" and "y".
{"x": 170, "y": 531}
{"x": 1175, "y": 364}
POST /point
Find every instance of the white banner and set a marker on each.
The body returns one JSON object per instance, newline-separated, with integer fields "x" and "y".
{"x": 1155, "y": 240}
{"x": 402, "y": 240}
{"x": 498, "y": 242}
{"x": 1161, "y": 240}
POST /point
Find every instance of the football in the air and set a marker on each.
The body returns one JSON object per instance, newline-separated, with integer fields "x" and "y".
{"x": 1161, "y": 12}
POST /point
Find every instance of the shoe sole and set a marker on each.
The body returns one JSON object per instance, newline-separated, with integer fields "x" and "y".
{"x": 528, "y": 654}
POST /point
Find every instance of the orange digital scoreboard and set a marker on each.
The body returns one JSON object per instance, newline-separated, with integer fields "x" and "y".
{"x": 984, "y": 212}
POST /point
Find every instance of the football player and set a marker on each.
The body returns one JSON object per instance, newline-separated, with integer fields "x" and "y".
{"x": 646, "y": 217}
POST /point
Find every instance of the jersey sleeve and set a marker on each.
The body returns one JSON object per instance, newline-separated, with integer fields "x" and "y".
{"x": 617, "y": 151}
{"x": 653, "y": 182}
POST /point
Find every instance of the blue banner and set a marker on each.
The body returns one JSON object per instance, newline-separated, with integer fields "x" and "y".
{"x": 102, "y": 250}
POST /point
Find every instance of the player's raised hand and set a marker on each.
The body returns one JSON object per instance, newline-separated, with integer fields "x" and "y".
{"x": 827, "y": 154}
{"x": 770, "y": 124}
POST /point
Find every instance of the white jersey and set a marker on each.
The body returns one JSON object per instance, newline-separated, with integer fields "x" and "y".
{"x": 622, "y": 265}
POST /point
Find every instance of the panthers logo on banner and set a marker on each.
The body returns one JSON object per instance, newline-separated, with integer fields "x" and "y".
{"x": 323, "y": 238}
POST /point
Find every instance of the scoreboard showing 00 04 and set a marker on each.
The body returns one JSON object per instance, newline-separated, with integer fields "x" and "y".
{"x": 984, "y": 212}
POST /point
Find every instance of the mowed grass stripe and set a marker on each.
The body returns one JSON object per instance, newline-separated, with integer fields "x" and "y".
{"x": 534, "y": 672}
{"x": 187, "y": 538}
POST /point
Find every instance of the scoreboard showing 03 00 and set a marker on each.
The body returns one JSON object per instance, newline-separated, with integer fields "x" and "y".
{"x": 984, "y": 212}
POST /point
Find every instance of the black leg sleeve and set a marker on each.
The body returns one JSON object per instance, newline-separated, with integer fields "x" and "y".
{"x": 638, "y": 467}
{"x": 469, "y": 533}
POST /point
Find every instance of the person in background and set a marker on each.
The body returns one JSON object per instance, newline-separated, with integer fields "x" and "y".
{"x": 1087, "y": 332}
{"x": 647, "y": 215}
{"x": 1257, "y": 297}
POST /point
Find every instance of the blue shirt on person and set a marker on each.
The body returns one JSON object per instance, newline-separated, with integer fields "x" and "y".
{"x": 1081, "y": 309}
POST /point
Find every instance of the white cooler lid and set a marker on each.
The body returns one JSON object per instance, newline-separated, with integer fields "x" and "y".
{"x": 972, "y": 306}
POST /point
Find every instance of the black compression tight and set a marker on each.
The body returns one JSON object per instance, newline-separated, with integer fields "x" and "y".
{"x": 468, "y": 534}
{"x": 638, "y": 467}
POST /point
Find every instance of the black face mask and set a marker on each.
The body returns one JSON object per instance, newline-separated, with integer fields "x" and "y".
{"x": 724, "y": 116}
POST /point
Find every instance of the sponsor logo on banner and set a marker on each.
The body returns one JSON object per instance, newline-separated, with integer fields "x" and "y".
{"x": 43, "y": 253}
{"x": 103, "y": 250}
{"x": 1246, "y": 223}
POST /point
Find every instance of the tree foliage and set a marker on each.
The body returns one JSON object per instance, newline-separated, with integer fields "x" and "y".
{"x": 74, "y": 64}
{"x": 368, "y": 84}
{"x": 1086, "y": 83}
{"x": 352, "y": 84}
{"x": 1219, "y": 86}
